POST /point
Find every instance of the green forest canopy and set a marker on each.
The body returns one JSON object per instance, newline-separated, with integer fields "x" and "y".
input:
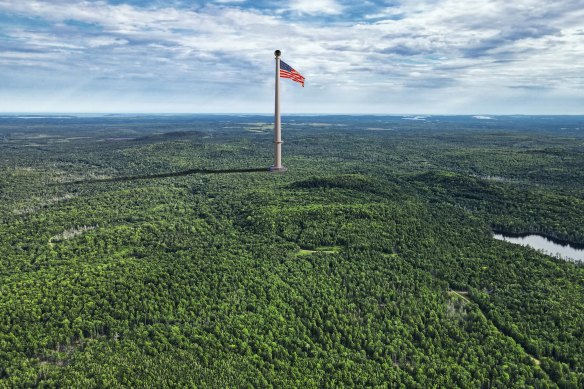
{"x": 157, "y": 252}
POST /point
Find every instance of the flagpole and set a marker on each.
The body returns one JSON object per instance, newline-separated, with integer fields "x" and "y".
{"x": 277, "y": 166}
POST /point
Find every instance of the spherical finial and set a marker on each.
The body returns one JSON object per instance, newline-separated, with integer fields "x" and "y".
{"x": 277, "y": 53}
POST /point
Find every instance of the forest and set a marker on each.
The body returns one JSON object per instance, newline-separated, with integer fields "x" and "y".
{"x": 157, "y": 251}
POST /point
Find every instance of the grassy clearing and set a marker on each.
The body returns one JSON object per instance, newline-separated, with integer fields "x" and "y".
{"x": 320, "y": 249}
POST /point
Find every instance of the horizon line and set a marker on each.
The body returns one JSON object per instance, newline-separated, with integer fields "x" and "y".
{"x": 73, "y": 114}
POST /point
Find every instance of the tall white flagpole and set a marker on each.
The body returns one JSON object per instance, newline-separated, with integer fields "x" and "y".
{"x": 277, "y": 166}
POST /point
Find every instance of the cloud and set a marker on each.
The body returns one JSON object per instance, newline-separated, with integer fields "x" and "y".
{"x": 530, "y": 87}
{"x": 314, "y": 7}
{"x": 359, "y": 52}
{"x": 100, "y": 41}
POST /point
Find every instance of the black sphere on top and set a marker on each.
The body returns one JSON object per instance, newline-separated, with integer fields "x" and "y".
{"x": 277, "y": 53}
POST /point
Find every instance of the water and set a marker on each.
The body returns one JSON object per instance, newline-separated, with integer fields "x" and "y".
{"x": 550, "y": 247}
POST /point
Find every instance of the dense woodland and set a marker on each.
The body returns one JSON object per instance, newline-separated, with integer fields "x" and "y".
{"x": 158, "y": 252}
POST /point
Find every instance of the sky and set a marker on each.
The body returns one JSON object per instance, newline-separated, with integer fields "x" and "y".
{"x": 358, "y": 57}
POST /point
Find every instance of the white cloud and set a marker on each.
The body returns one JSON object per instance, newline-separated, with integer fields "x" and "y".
{"x": 314, "y": 7}
{"x": 105, "y": 41}
{"x": 437, "y": 49}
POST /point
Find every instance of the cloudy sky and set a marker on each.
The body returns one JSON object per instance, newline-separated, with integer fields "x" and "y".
{"x": 402, "y": 56}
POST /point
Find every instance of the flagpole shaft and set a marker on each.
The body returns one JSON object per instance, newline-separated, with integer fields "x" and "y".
{"x": 277, "y": 119}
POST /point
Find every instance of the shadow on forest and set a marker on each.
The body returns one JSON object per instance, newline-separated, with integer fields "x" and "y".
{"x": 164, "y": 175}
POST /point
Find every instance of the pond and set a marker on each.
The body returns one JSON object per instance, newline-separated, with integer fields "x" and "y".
{"x": 550, "y": 247}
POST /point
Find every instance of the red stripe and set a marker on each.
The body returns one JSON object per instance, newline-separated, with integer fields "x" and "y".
{"x": 283, "y": 72}
{"x": 292, "y": 75}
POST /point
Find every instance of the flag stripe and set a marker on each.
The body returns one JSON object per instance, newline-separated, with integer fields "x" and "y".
{"x": 286, "y": 71}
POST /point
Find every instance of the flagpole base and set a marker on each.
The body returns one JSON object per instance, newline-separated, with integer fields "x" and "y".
{"x": 274, "y": 169}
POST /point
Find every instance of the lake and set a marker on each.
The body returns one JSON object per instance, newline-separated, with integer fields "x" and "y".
{"x": 550, "y": 247}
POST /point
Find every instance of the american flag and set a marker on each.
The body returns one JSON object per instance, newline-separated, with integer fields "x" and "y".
{"x": 286, "y": 71}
